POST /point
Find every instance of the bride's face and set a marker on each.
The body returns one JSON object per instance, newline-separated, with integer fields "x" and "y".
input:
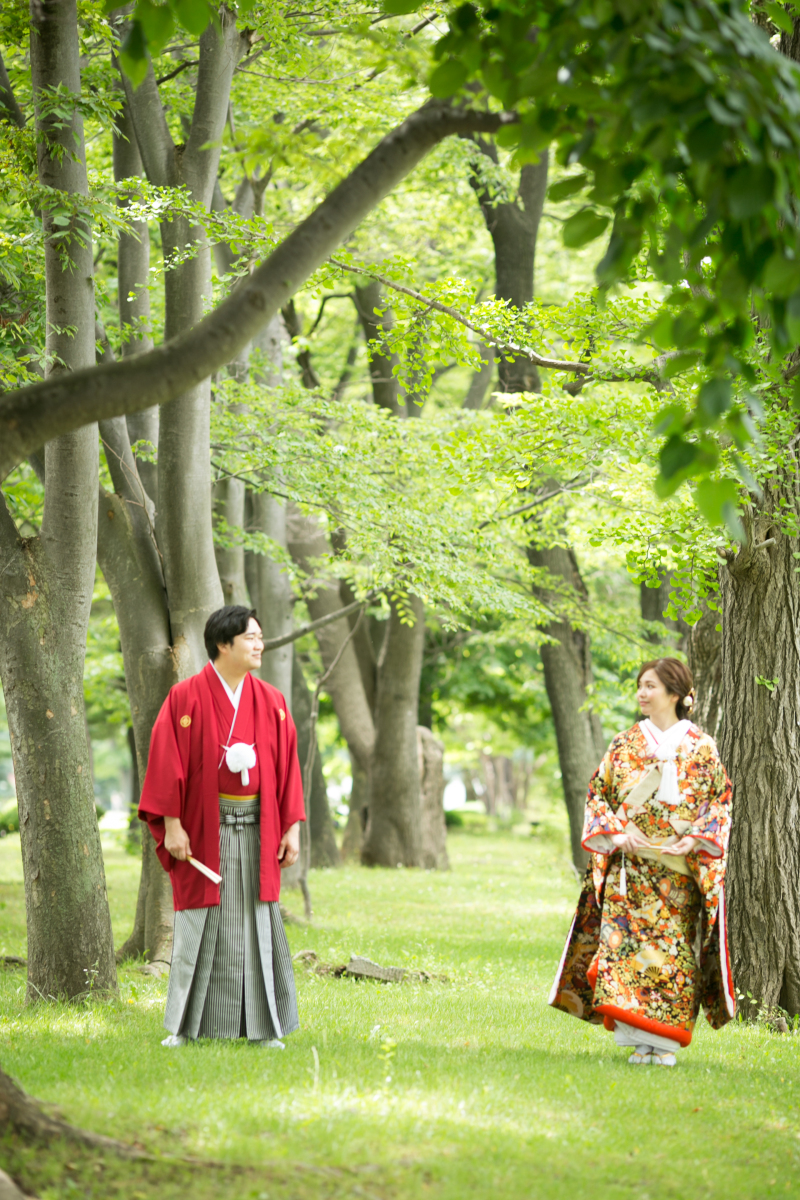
{"x": 653, "y": 698}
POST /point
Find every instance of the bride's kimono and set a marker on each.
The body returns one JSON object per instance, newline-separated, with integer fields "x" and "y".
{"x": 648, "y": 944}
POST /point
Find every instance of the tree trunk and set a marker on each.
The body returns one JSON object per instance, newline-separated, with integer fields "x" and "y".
{"x": 568, "y": 676}
{"x": 344, "y": 686}
{"x": 47, "y": 586}
{"x": 381, "y": 363}
{"x": 164, "y": 580}
{"x": 184, "y": 527}
{"x": 229, "y": 504}
{"x": 275, "y": 597}
{"x": 357, "y": 816}
{"x": 479, "y": 384}
{"x": 514, "y": 229}
{"x": 133, "y": 290}
{"x": 392, "y": 837}
{"x": 324, "y": 852}
{"x": 433, "y": 831}
{"x": 130, "y": 563}
{"x": 761, "y": 748}
{"x": 704, "y": 651}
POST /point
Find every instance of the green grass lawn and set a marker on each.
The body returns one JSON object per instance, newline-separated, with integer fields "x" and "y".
{"x": 470, "y": 1088}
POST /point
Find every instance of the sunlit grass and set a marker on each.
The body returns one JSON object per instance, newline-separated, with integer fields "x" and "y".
{"x": 472, "y": 1087}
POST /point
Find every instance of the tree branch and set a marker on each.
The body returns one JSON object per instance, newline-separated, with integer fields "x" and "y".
{"x": 515, "y": 512}
{"x": 8, "y": 101}
{"x": 188, "y": 62}
{"x": 33, "y": 415}
{"x": 312, "y": 626}
{"x": 9, "y": 534}
{"x": 552, "y": 364}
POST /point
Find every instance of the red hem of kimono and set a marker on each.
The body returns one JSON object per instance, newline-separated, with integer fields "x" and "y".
{"x": 611, "y": 1014}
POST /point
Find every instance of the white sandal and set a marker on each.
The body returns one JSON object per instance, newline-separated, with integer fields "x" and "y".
{"x": 663, "y": 1060}
{"x": 174, "y": 1039}
{"x": 641, "y": 1056}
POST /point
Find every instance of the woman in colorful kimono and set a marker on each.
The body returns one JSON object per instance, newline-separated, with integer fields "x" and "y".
{"x": 647, "y": 945}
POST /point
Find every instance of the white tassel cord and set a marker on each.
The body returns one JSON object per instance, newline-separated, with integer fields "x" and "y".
{"x": 623, "y": 879}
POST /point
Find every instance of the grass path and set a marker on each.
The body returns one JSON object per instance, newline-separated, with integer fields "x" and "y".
{"x": 472, "y": 1088}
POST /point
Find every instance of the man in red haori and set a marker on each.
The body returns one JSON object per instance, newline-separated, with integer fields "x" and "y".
{"x": 223, "y": 796}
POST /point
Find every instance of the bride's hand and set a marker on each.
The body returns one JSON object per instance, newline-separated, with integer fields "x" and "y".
{"x": 685, "y": 846}
{"x": 629, "y": 840}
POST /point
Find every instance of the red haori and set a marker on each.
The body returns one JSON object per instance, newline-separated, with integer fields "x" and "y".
{"x": 184, "y": 779}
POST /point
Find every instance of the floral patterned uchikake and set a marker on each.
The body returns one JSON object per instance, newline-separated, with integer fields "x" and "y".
{"x": 649, "y": 953}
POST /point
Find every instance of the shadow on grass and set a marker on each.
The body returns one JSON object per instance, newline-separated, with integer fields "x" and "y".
{"x": 67, "y": 1169}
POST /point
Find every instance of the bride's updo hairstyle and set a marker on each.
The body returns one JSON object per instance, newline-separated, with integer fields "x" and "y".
{"x": 677, "y": 679}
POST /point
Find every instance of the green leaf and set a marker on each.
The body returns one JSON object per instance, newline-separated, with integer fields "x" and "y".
{"x": 447, "y": 78}
{"x": 680, "y": 362}
{"x": 779, "y": 16}
{"x": 583, "y": 227}
{"x": 733, "y": 522}
{"x": 675, "y": 457}
{"x": 715, "y": 398}
{"x": 660, "y": 330}
{"x": 712, "y": 495}
{"x": 133, "y": 54}
{"x": 398, "y": 8}
{"x": 157, "y": 24}
{"x": 567, "y": 187}
{"x": 194, "y": 15}
{"x": 669, "y": 420}
{"x": 750, "y": 189}
{"x": 781, "y": 275}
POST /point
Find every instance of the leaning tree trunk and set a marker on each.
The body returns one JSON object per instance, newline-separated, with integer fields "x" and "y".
{"x": 760, "y": 747}
{"x": 568, "y": 675}
{"x": 392, "y": 836}
{"x": 345, "y": 687}
{"x": 131, "y": 565}
{"x": 183, "y": 526}
{"x": 324, "y": 852}
{"x": 433, "y": 830}
{"x": 133, "y": 291}
{"x": 164, "y": 579}
{"x": 47, "y": 585}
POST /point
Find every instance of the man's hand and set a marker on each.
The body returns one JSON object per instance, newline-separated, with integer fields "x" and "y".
{"x": 289, "y": 849}
{"x": 630, "y": 839}
{"x": 176, "y": 839}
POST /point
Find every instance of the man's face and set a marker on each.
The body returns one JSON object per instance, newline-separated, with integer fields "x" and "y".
{"x": 244, "y": 654}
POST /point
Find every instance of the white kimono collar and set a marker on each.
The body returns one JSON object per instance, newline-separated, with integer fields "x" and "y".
{"x": 663, "y": 745}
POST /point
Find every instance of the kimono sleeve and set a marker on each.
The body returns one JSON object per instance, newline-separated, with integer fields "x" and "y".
{"x": 164, "y": 785}
{"x": 290, "y": 797}
{"x": 601, "y": 822}
{"x": 712, "y": 822}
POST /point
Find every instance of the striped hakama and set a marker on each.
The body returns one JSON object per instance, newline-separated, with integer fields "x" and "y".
{"x": 231, "y": 973}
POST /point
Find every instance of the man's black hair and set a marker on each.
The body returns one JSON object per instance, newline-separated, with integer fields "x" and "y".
{"x": 224, "y": 625}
